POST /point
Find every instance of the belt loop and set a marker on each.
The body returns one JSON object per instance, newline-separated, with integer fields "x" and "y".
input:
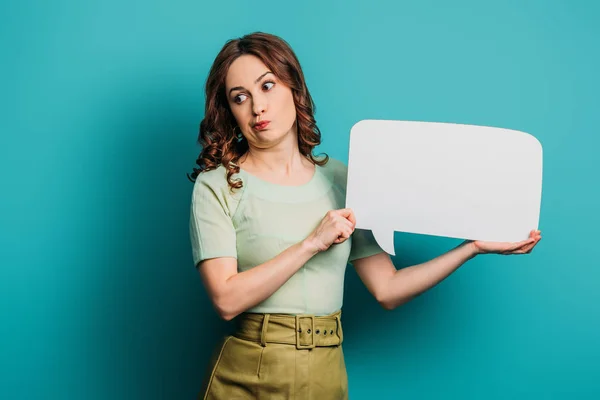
{"x": 339, "y": 330}
{"x": 263, "y": 333}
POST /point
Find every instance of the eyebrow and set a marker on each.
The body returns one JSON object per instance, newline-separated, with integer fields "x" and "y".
{"x": 256, "y": 81}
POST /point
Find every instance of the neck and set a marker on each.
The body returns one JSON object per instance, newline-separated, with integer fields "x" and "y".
{"x": 281, "y": 159}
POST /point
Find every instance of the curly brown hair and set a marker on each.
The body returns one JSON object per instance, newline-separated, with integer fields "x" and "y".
{"x": 220, "y": 145}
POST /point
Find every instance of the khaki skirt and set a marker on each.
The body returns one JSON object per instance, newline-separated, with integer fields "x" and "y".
{"x": 278, "y": 356}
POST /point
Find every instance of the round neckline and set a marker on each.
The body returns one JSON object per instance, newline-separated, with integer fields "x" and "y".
{"x": 317, "y": 187}
{"x": 278, "y": 185}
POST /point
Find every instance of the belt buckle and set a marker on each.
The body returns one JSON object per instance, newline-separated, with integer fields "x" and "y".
{"x": 312, "y": 332}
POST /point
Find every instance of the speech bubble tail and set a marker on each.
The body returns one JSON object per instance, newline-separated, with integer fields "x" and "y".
{"x": 385, "y": 239}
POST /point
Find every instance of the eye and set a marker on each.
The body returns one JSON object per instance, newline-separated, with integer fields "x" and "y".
{"x": 239, "y": 98}
{"x": 268, "y": 85}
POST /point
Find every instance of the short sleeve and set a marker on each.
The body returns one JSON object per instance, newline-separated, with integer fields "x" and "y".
{"x": 363, "y": 245}
{"x": 212, "y": 232}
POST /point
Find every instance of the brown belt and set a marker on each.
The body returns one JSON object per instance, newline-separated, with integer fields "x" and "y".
{"x": 305, "y": 331}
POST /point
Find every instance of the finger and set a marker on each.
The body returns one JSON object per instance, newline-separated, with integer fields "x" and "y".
{"x": 349, "y": 224}
{"x": 352, "y": 218}
{"x": 515, "y": 252}
{"x": 525, "y": 242}
{"x": 344, "y": 222}
{"x": 512, "y": 252}
{"x": 343, "y": 225}
{"x": 348, "y": 214}
{"x": 514, "y": 247}
{"x": 535, "y": 233}
{"x": 526, "y": 245}
{"x": 346, "y": 232}
{"x": 342, "y": 238}
{"x": 531, "y": 246}
{"x": 519, "y": 245}
{"x": 350, "y": 230}
{"x": 527, "y": 249}
{"x": 344, "y": 212}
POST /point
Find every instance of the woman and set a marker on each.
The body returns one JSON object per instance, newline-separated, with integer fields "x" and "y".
{"x": 271, "y": 239}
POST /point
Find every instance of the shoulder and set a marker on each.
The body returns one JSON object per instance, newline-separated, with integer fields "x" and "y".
{"x": 336, "y": 171}
{"x": 336, "y": 165}
{"x": 213, "y": 178}
{"x": 212, "y": 186}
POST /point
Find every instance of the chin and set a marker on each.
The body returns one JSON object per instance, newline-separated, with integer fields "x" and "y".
{"x": 269, "y": 136}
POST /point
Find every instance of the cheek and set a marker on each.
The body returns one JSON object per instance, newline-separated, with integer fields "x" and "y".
{"x": 240, "y": 113}
{"x": 287, "y": 105}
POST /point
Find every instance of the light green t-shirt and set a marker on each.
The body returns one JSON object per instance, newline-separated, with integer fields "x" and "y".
{"x": 259, "y": 221}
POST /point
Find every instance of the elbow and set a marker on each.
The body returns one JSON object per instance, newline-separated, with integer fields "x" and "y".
{"x": 225, "y": 315}
{"x": 384, "y": 301}
{"x": 389, "y": 303}
{"x": 227, "y": 306}
{"x": 386, "y": 305}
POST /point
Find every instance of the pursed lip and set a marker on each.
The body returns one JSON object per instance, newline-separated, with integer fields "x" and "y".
{"x": 261, "y": 125}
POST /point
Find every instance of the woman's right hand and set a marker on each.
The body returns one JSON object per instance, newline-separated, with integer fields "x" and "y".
{"x": 336, "y": 227}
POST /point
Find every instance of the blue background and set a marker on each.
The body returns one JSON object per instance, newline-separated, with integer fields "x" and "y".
{"x": 100, "y": 106}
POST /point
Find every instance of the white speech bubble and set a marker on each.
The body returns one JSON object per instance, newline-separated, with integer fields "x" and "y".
{"x": 452, "y": 180}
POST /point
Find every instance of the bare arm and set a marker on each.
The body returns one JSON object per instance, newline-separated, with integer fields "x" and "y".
{"x": 393, "y": 287}
{"x": 234, "y": 292}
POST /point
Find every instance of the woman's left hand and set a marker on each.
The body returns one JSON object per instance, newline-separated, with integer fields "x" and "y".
{"x": 507, "y": 248}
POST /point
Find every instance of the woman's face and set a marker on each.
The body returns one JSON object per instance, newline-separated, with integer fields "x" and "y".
{"x": 262, "y": 105}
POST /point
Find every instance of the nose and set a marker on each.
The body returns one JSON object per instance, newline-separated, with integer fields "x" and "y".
{"x": 259, "y": 105}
